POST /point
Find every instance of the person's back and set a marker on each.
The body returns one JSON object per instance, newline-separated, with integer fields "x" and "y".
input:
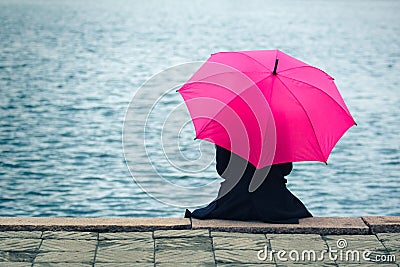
{"x": 239, "y": 199}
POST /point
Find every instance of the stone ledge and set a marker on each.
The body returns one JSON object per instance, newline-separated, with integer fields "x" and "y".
{"x": 383, "y": 224}
{"x": 91, "y": 224}
{"x": 315, "y": 225}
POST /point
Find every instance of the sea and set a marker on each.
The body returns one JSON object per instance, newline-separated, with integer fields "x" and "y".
{"x": 69, "y": 71}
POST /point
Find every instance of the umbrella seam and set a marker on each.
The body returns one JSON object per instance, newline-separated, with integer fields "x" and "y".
{"x": 242, "y": 72}
{"x": 202, "y": 81}
{"x": 255, "y": 60}
{"x": 236, "y": 95}
{"x": 308, "y": 66}
{"x": 308, "y": 117}
{"x": 347, "y": 112}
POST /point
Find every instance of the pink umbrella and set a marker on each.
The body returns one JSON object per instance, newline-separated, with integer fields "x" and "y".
{"x": 267, "y": 107}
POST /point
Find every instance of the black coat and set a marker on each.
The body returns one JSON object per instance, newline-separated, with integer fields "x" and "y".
{"x": 270, "y": 202}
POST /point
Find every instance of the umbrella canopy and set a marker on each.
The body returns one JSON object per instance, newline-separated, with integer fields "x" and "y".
{"x": 267, "y": 107}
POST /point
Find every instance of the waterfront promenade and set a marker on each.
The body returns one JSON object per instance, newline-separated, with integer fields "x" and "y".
{"x": 183, "y": 242}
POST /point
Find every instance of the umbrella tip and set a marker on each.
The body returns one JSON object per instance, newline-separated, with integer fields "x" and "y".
{"x": 355, "y": 123}
{"x": 275, "y": 67}
{"x": 195, "y": 138}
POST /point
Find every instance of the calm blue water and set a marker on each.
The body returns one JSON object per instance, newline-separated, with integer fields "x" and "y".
{"x": 68, "y": 70}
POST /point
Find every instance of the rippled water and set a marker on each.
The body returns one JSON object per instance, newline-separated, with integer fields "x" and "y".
{"x": 68, "y": 70}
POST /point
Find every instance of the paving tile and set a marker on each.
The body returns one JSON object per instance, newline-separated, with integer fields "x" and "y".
{"x": 254, "y": 243}
{"x": 192, "y": 264}
{"x": 236, "y": 235}
{"x": 392, "y": 243}
{"x": 299, "y": 249}
{"x": 92, "y": 224}
{"x": 21, "y": 234}
{"x": 12, "y": 256}
{"x": 61, "y": 264}
{"x": 244, "y": 264}
{"x": 391, "y": 257}
{"x": 181, "y": 233}
{"x": 19, "y": 244}
{"x": 193, "y": 243}
{"x": 296, "y": 241}
{"x": 390, "y": 240}
{"x": 68, "y": 245}
{"x": 238, "y": 256}
{"x": 383, "y": 224}
{"x": 303, "y": 257}
{"x": 64, "y": 256}
{"x": 15, "y": 264}
{"x": 313, "y": 225}
{"x": 128, "y": 251}
{"x": 124, "y": 256}
{"x": 126, "y": 235}
{"x": 124, "y": 264}
{"x": 308, "y": 264}
{"x": 359, "y": 242}
{"x": 126, "y": 244}
{"x": 184, "y": 256}
{"x": 353, "y": 247}
{"x": 366, "y": 265}
{"x": 69, "y": 235}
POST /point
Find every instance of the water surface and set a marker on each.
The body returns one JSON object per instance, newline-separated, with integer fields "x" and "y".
{"x": 68, "y": 70}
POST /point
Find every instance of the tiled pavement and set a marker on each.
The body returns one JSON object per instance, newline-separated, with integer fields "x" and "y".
{"x": 35, "y": 241}
{"x": 202, "y": 247}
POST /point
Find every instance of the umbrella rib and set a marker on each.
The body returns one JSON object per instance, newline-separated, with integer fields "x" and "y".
{"x": 255, "y": 60}
{"x": 213, "y": 75}
{"x": 236, "y": 95}
{"x": 307, "y": 66}
{"x": 308, "y": 117}
{"x": 205, "y": 126}
{"x": 234, "y": 72}
{"x": 347, "y": 113}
